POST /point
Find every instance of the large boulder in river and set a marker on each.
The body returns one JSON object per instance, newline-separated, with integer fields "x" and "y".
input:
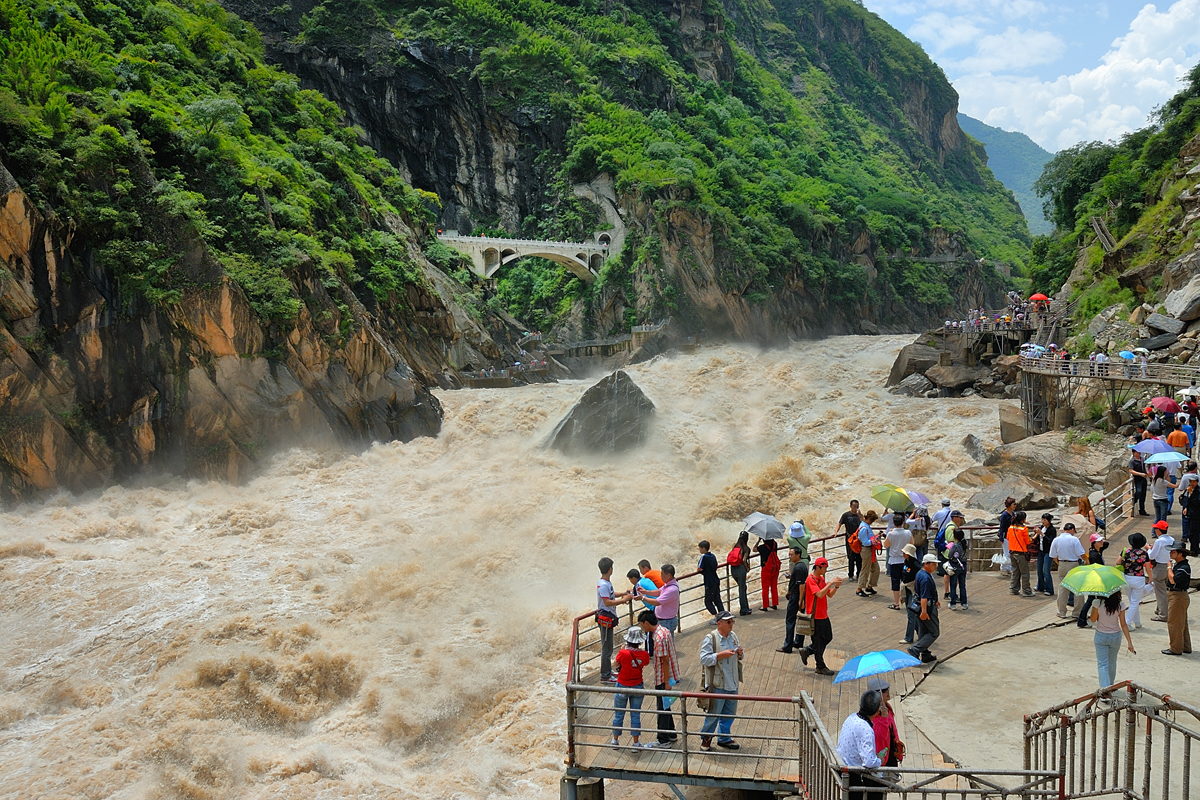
{"x": 1063, "y": 466}
{"x": 611, "y": 416}
{"x": 1012, "y": 423}
{"x": 911, "y": 358}
{"x": 954, "y": 377}
{"x": 1029, "y": 494}
{"x": 915, "y": 385}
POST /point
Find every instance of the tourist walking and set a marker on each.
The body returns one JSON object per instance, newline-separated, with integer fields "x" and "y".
{"x": 868, "y": 575}
{"x": 666, "y": 605}
{"x": 817, "y": 594}
{"x": 739, "y": 566}
{"x": 1068, "y": 552}
{"x": 1018, "y": 555}
{"x": 797, "y": 578}
{"x": 630, "y": 662}
{"x": 1045, "y": 577}
{"x": 956, "y": 568}
{"x": 926, "y": 600}
{"x": 1006, "y": 518}
{"x": 912, "y": 565}
{"x": 887, "y": 734}
{"x": 848, "y": 523}
{"x": 1135, "y": 562}
{"x": 712, "y": 582}
{"x": 661, "y": 647}
{"x": 1160, "y": 557}
{"x": 721, "y": 657}
{"x": 1179, "y": 579}
{"x": 768, "y": 554}
{"x": 894, "y": 544}
{"x": 1161, "y": 487}
{"x": 1109, "y": 616}
{"x": 856, "y": 748}
{"x": 1095, "y": 555}
{"x": 606, "y": 619}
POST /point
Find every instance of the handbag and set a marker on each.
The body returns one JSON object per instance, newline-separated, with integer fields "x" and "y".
{"x": 804, "y": 625}
{"x": 1054, "y": 565}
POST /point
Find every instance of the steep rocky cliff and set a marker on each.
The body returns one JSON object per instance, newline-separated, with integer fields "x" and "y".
{"x": 94, "y": 387}
{"x": 780, "y": 225}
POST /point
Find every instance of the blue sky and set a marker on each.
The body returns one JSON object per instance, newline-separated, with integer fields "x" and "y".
{"x": 1061, "y": 72}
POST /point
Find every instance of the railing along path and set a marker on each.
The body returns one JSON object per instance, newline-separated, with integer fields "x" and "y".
{"x": 1128, "y": 371}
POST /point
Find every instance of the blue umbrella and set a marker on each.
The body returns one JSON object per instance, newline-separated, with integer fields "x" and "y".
{"x": 1150, "y": 446}
{"x": 865, "y": 666}
{"x": 1166, "y": 458}
{"x": 918, "y": 498}
{"x": 1128, "y": 356}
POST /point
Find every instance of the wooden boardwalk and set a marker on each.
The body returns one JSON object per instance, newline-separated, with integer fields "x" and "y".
{"x": 859, "y": 626}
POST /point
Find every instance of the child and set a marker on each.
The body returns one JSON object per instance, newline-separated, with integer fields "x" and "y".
{"x": 1095, "y": 555}
{"x": 630, "y": 662}
{"x": 712, "y": 584}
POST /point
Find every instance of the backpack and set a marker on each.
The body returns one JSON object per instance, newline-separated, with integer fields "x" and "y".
{"x": 939, "y": 542}
{"x": 855, "y": 543}
{"x": 734, "y": 559}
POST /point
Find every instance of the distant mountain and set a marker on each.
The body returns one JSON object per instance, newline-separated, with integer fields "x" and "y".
{"x": 1017, "y": 161}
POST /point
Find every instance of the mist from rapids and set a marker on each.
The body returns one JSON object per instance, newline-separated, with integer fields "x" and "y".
{"x": 395, "y": 623}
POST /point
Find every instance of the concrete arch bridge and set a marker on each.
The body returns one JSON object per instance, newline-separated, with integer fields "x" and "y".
{"x": 488, "y": 254}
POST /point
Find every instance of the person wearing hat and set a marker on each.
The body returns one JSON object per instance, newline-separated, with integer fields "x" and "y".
{"x": 1160, "y": 557}
{"x": 908, "y": 579}
{"x": 817, "y": 593}
{"x": 887, "y": 735}
{"x": 926, "y": 600}
{"x": 721, "y": 658}
{"x": 798, "y": 536}
{"x": 1179, "y": 579}
{"x": 1067, "y": 550}
{"x": 938, "y": 524}
{"x": 942, "y": 543}
{"x": 630, "y": 662}
{"x": 797, "y": 577}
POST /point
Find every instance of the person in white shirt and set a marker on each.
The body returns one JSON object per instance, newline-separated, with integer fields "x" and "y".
{"x": 894, "y": 541}
{"x": 1068, "y": 552}
{"x": 856, "y": 747}
{"x": 1160, "y": 557}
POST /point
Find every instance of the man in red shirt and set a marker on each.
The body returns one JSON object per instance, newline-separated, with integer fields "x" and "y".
{"x": 630, "y": 662}
{"x": 819, "y": 593}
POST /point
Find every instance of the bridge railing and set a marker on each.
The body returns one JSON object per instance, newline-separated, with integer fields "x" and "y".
{"x": 522, "y": 242}
{"x": 1162, "y": 374}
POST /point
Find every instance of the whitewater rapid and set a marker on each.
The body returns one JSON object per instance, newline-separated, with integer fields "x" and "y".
{"x": 394, "y": 623}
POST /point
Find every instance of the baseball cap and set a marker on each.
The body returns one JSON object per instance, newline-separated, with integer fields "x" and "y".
{"x": 878, "y": 684}
{"x": 945, "y": 501}
{"x": 635, "y": 636}
{"x": 1097, "y": 537}
{"x": 1161, "y": 525}
{"x": 724, "y": 615}
{"x": 820, "y": 562}
{"x": 1179, "y": 547}
{"x": 956, "y": 513}
{"x": 929, "y": 558}
{"x": 909, "y": 549}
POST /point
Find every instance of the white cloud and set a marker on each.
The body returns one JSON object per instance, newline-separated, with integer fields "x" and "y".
{"x": 941, "y": 32}
{"x": 1012, "y": 49}
{"x": 1139, "y": 72}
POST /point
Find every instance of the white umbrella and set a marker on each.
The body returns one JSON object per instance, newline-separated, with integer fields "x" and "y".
{"x": 1191, "y": 391}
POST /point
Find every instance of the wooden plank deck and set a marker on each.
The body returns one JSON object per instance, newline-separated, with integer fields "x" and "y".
{"x": 859, "y": 626}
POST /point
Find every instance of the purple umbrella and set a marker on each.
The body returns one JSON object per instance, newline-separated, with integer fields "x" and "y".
{"x": 1149, "y": 446}
{"x": 918, "y": 498}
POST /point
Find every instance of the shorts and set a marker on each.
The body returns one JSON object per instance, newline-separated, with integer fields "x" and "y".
{"x": 895, "y": 571}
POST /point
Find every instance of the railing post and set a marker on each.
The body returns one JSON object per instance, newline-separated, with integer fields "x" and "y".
{"x": 683, "y": 733}
{"x": 570, "y": 727}
{"x": 1129, "y": 742}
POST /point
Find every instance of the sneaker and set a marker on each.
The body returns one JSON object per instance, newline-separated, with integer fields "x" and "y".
{"x": 706, "y": 743}
{"x": 914, "y": 652}
{"x": 946, "y": 596}
{"x": 745, "y": 613}
{"x": 871, "y": 591}
{"x": 861, "y": 593}
{"x": 1049, "y": 594}
{"x": 730, "y": 745}
{"x": 824, "y": 671}
{"x": 953, "y": 607}
{"x": 905, "y": 641}
{"x": 611, "y": 679}
{"x": 964, "y": 606}
{"x": 804, "y": 656}
{"x": 1027, "y": 594}
{"x": 928, "y": 658}
{"x": 615, "y": 743}
{"x": 640, "y": 746}
{"x": 784, "y": 650}
{"x": 1063, "y": 616}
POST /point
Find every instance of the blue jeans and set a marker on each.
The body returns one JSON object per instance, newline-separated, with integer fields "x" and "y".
{"x": 1108, "y": 646}
{"x": 958, "y": 588}
{"x": 634, "y": 701}
{"x": 721, "y": 725}
{"x": 670, "y": 623}
{"x": 1170, "y": 500}
{"x": 1161, "y": 507}
{"x": 1045, "y": 582}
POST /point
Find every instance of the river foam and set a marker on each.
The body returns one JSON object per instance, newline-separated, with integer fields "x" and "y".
{"x": 394, "y": 623}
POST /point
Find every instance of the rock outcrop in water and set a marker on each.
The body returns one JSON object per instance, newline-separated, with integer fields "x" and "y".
{"x": 612, "y": 416}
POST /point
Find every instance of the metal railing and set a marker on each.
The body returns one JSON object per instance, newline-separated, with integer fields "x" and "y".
{"x": 521, "y": 242}
{"x": 1099, "y": 753}
{"x": 1157, "y": 374}
{"x": 1117, "y": 503}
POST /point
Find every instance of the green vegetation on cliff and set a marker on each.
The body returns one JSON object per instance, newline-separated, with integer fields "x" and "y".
{"x": 1017, "y": 162}
{"x": 155, "y": 131}
{"x": 793, "y": 128}
{"x": 1133, "y": 185}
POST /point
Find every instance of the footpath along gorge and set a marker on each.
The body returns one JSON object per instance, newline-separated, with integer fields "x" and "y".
{"x": 257, "y": 539}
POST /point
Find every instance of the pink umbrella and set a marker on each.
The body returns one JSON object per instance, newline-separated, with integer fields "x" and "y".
{"x": 1165, "y": 405}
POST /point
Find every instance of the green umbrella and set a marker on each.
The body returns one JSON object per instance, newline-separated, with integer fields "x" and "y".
{"x": 891, "y": 496}
{"x": 1094, "y": 579}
